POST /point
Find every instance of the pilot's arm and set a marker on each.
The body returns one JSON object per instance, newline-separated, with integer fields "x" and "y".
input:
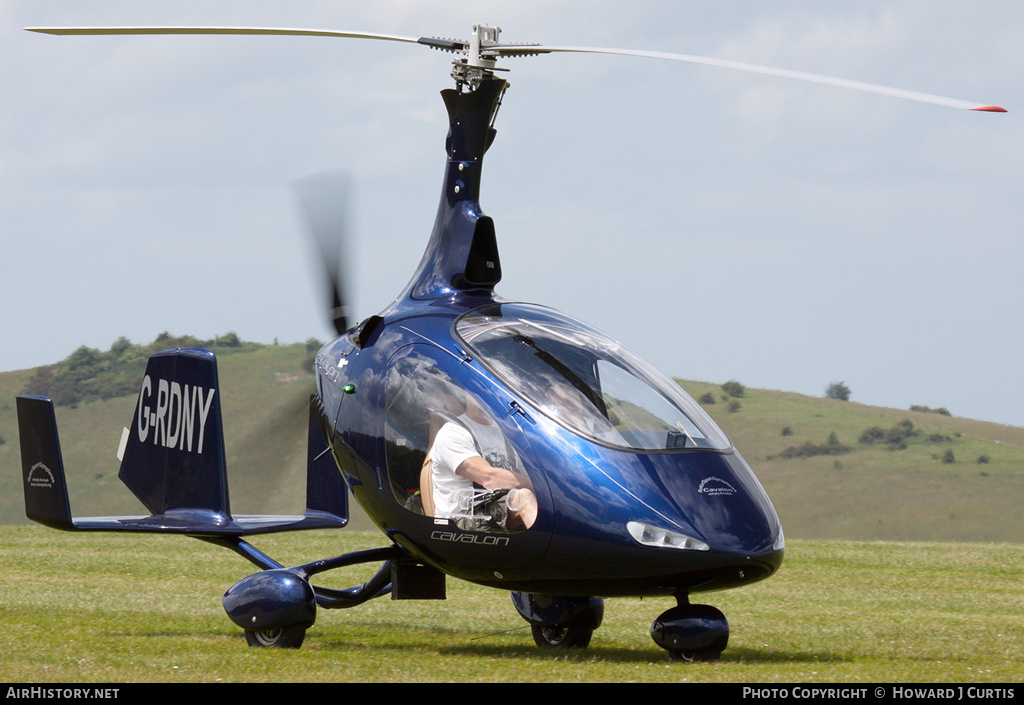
{"x": 478, "y": 470}
{"x": 522, "y": 502}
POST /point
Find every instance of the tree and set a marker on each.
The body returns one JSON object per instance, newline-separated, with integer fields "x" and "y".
{"x": 120, "y": 346}
{"x": 229, "y": 340}
{"x": 838, "y": 390}
{"x": 734, "y": 389}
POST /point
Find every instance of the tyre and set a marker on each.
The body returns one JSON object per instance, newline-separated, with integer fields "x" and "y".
{"x": 547, "y": 637}
{"x": 284, "y": 638}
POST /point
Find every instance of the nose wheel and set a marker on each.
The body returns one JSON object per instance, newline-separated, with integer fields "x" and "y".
{"x": 691, "y": 632}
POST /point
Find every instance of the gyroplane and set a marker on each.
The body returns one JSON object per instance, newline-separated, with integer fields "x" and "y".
{"x": 498, "y": 442}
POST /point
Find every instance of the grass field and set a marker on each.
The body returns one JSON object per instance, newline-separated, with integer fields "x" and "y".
{"x": 113, "y": 608}
{"x": 873, "y": 492}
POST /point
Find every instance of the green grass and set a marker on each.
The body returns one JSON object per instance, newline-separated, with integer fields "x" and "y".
{"x": 114, "y": 608}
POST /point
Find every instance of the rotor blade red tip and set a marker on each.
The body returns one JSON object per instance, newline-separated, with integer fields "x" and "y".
{"x": 990, "y": 109}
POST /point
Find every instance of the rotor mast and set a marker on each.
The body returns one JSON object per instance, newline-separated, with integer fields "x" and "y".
{"x": 462, "y": 253}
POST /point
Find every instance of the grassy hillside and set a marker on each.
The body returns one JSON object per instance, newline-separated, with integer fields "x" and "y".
{"x": 933, "y": 489}
{"x": 919, "y": 492}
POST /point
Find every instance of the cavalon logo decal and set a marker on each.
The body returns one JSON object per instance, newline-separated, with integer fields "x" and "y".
{"x": 716, "y": 487}
{"x": 173, "y": 415}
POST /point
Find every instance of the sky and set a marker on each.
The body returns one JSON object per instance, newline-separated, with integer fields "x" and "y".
{"x": 725, "y": 225}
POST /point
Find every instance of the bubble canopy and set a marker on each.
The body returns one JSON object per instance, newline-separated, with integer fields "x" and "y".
{"x": 586, "y": 381}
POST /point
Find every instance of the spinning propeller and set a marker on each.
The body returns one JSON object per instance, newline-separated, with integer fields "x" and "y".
{"x": 324, "y": 199}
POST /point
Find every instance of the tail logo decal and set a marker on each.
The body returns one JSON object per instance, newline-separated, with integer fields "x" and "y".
{"x": 39, "y": 476}
{"x": 178, "y": 412}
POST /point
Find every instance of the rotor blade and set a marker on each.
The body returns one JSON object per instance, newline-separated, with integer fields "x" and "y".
{"x": 499, "y": 50}
{"x": 527, "y": 49}
{"x": 64, "y": 31}
{"x": 324, "y": 199}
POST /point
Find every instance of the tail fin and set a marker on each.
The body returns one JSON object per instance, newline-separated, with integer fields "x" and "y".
{"x": 172, "y": 459}
{"x": 326, "y": 492}
{"x": 174, "y": 454}
{"x": 46, "y": 491}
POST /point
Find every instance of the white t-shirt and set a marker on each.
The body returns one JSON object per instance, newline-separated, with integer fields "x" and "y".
{"x": 455, "y": 443}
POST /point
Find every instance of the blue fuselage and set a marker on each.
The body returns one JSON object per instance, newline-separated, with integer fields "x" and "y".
{"x": 587, "y": 491}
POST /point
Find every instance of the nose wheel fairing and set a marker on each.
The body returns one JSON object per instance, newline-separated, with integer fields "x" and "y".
{"x": 691, "y": 632}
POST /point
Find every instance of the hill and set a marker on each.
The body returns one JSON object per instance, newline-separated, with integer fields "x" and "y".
{"x": 834, "y": 469}
{"x": 946, "y": 479}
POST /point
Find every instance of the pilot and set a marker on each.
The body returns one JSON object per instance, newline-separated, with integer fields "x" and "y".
{"x": 470, "y": 453}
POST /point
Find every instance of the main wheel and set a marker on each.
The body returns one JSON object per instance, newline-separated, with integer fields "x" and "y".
{"x": 285, "y": 638}
{"x": 561, "y": 637}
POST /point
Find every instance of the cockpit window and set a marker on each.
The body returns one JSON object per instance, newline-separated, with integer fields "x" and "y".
{"x": 584, "y": 380}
